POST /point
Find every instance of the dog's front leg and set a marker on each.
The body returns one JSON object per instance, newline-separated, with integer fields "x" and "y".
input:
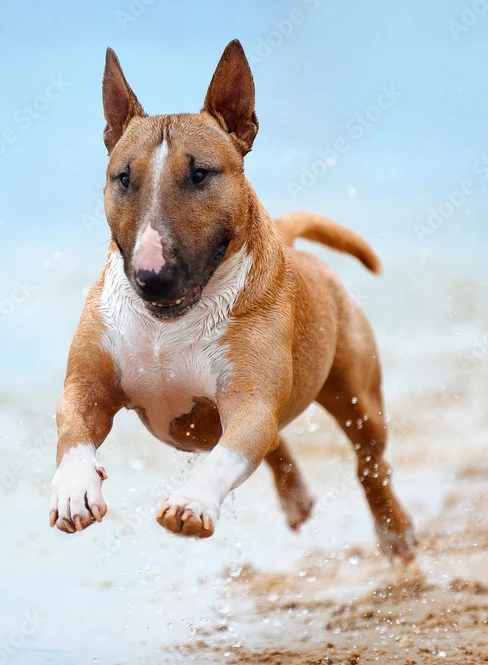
{"x": 84, "y": 416}
{"x": 250, "y": 432}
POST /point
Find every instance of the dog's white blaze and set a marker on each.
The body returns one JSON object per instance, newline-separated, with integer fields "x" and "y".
{"x": 148, "y": 250}
{"x": 163, "y": 365}
{"x": 159, "y": 160}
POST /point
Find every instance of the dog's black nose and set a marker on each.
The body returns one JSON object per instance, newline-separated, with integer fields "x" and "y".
{"x": 158, "y": 285}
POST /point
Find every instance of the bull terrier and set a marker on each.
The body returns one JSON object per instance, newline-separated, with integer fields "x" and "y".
{"x": 211, "y": 325}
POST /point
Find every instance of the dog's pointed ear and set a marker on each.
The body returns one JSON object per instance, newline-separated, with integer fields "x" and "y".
{"x": 120, "y": 104}
{"x": 230, "y": 96}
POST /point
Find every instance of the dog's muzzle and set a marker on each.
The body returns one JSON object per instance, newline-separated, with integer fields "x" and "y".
{"x": 168, "y": 294}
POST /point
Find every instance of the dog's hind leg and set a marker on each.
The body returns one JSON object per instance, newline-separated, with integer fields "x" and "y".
{"x": 295, "y": 498}
{"x": 352, "y": 394}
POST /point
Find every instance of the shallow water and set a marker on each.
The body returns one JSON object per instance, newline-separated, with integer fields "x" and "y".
{"x": 127, "y": 592}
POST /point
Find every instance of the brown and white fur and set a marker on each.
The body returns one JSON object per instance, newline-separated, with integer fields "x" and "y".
{"x": 211, "y": 325}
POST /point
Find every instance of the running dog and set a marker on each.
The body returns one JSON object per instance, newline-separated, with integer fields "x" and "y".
{"x": 211, "y": 325}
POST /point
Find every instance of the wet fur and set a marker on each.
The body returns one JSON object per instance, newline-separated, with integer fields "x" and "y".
{"x": 274, "y": 329}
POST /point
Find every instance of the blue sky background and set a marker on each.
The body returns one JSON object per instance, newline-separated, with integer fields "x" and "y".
{"x": 332, "y": 64}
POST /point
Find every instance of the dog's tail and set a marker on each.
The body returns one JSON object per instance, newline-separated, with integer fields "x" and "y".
{"x": 310, "y": 225}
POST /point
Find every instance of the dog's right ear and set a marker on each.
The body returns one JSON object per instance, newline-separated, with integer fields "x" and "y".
{"x": 120, "y": 104}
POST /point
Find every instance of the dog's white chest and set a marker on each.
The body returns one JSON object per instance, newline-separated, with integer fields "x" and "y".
{"x": 163, "y": 366}
{"x": 161, "y": 375}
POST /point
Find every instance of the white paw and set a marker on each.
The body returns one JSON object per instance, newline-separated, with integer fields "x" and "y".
{"x": 186, "y": 516}
{"x": 76, "y": 490}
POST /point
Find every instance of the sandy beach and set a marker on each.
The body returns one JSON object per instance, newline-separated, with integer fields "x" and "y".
{"x": 373, "y": 116}
{"x": 126, "y": 592}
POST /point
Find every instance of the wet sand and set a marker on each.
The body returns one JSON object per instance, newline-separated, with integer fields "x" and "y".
{"x": 434, "y": 611}
{"x": 125, "y": 592}
{"x": 348, "y": 606}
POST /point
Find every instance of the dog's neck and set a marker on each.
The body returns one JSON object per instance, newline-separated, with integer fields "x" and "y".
{"x": 265, "y": 249}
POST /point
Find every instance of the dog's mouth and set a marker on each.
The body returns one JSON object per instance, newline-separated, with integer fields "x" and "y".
{"x": 172, "y": 309}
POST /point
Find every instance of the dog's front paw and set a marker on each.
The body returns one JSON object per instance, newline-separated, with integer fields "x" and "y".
{"x": 76, "y": 491}
{"x": 188, "y": 517}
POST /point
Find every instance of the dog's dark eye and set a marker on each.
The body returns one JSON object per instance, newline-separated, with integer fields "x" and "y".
{"x": 198, "y": 176}
{"x": 125, "y": 180}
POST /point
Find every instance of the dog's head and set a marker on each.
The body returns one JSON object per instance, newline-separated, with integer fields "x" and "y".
{"x": 176, "y": 195}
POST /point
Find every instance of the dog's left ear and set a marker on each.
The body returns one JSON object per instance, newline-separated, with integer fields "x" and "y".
{"x": 230, "y": 96}
{"x": 120, "y": 104}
